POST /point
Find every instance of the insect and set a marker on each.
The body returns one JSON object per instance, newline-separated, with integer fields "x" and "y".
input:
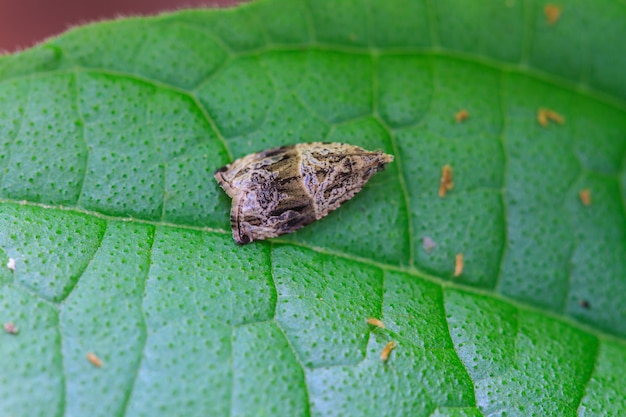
{"x": 384, "y": 355}
{"x": 585, "y": 196}
{"x": 281, "y": 190}
{"x": 552, "y": 12}
{"x": 445, "y": 184}
{"x": 461, "y": 116}
{"x": 545, "y": 116}
{"x": 95, "y": 360}
{"x": 458, "y": 265}
{"x": 376, "y": 322}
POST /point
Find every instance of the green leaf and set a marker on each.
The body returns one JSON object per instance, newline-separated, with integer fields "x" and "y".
{"x": 110, "y": 134}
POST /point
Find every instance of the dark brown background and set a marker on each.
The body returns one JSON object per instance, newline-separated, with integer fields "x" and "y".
{"x": 24, "y": 23}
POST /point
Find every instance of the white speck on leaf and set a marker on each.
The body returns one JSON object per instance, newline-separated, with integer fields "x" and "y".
{"x": 10, "y": 328}
{"x": 11, "y": 264}
{"x": 428, "y": 244}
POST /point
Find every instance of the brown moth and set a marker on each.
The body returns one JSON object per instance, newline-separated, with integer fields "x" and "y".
{"x": 280, "y": 190}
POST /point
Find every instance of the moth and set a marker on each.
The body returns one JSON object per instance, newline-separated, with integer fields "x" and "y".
{"x": 281, "y": 190}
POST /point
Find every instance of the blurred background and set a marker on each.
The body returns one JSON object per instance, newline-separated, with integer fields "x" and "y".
{"x": 24, "y": 23}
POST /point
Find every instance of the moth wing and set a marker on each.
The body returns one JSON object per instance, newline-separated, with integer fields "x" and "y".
{"x": 333, "y": 179}
{"x": 236, "y": 223}
{"x": 283, "y": 189}
{"x": 250, "y": 221}
{"x": 267, "y": 193}
{"x": 235, "y": 177}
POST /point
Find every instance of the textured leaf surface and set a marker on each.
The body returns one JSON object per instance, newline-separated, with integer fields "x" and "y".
{"x": 109, "y": 136}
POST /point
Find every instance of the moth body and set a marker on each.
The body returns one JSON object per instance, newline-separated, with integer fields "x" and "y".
{"x": 281, "y": 190}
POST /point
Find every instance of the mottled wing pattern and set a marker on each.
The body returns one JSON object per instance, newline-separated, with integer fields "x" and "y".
{"x": 334, "y": 172}
{"x": 268, "y": 197}
{"x": 280, "y": 190}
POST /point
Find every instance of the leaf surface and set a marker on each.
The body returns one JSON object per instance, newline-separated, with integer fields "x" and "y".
{"x": 110, "y": 134}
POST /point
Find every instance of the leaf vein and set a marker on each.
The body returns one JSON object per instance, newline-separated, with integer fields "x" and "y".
{"x": 445, "y": 316}
{"x": 589, "y": 377}
{"x": 505, "y": 172}
{"x": 144, "y": 331}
